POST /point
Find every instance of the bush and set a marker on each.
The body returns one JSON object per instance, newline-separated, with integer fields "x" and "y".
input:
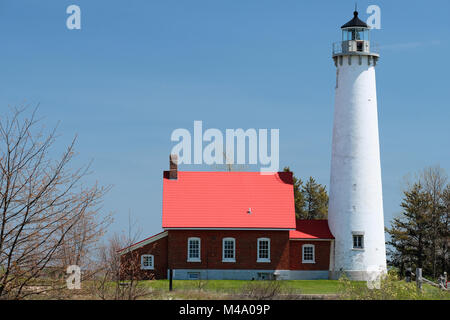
{"x": 391, "y": 288}
{"x": 262, "y": 289}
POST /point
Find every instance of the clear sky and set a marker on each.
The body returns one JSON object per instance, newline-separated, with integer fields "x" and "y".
{"x": 139, "y": 69}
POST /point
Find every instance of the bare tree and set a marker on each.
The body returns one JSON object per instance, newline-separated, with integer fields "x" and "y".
{"x": 42, "y": 203}
{"x": 434, "y": 180}
{"x": 120, "y": 279}
{"x": 425, "y": 206}
{"x": 81, "y": 242}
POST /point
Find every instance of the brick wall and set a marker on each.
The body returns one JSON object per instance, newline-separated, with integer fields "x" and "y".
{"x": 158, "y": 249}
{"x": 322, "y": 255}
{"x": 284, "y": 254}
{"x": 246, "y": 249}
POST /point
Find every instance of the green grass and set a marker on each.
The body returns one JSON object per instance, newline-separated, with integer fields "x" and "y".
{"x": 233, "y": 286}
{"x": 332, "y": 287}
{"x": 433, "y": 293}
{"x": 290, "y": 289}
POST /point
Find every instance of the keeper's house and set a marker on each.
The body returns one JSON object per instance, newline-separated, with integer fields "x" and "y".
{"x": 232, "y": 225}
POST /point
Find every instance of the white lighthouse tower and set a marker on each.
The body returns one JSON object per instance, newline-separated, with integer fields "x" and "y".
{"x": 355, "y": 213}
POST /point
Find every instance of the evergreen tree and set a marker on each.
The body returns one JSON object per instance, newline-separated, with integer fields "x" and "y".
{"x": 311, "y": 199}
{"x": 420, "y": 237}
{"x": 299, "y": 199}
{"x": 410, "y": 233}
{"x": 316, "y": 200}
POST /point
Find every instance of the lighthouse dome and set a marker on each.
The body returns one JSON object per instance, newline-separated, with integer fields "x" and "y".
{"x": 355, "y": 22}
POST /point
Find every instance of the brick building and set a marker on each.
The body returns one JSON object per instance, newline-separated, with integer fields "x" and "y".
{"x": 233, "y": 225}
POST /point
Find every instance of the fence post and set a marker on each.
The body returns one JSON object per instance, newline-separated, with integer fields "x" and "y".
{"x": 408, "y": 275}
{"x": 419, "y": 278}
{"x": 170, "y": 279}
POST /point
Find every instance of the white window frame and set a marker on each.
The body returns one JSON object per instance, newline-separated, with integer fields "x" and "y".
{"x": 152, "y": 266}
{"x": 189, "y": 259}
{"x": 234, "y": 250}
{"x": 259, "y": 259}
{"x": 313, "y": 260}
{"x": 358, "y": 234}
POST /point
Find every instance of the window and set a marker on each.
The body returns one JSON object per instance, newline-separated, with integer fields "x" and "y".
{"x": 265, "y": 276}
{"x": 359, "y": 46}
{"x": 193, "y": 275}
{"x": 193, "y": 250}
{"x": 308, "y": 253}
{"x": 358, "y": 241}
{"x": 263, "y": 250}
{"x": 147, "y": 262}
{"x": 228, "y": 250}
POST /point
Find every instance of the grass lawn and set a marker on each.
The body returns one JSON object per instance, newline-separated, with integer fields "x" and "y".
{"x": 233, "y": 286}
{"x": 242, "y": 289}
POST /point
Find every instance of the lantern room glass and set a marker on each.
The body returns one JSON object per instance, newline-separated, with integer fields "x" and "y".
{"x": 355, "y": 34}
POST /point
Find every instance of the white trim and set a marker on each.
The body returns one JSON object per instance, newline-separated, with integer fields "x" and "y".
{"x": 234, "y": 250}
{"x": 199, "y": 259}
{"x": 331, "y": 267}
{"x": 144, "y": 242}
{"x": 152, "y": 266}
{"x": 313, "y": 253}
{"x": 258, "y": 259}
{"x": 235, "y": 229}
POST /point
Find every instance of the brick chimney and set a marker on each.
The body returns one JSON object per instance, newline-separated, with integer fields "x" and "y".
{"x": 173, "y": 173}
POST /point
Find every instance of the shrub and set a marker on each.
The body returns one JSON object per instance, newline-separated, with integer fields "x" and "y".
{"x": 262, "y": 289}
{"x": 391, "y": 288}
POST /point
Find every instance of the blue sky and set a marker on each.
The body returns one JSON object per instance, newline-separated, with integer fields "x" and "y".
{"x": 139, "y": 69}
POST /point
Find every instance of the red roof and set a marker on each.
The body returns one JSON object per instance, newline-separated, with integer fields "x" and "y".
{"x": 311, "y": 229}
{"x": 223, "y": 199}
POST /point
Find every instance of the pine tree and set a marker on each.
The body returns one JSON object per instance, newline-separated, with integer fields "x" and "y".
{"x": 311, "y": 199}
{"x": 316, "y": 200}
{"x": 410, "y": 233}
{"x": 299, "y": 199}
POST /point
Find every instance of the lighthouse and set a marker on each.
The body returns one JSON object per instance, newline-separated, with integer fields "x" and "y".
{"x": 355, "y": 213}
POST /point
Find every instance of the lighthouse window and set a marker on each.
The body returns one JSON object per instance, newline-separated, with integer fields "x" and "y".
{"x": 358, "y": 241}
{"x": 359, "y": 46}
{"x": 355, "y": 34}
